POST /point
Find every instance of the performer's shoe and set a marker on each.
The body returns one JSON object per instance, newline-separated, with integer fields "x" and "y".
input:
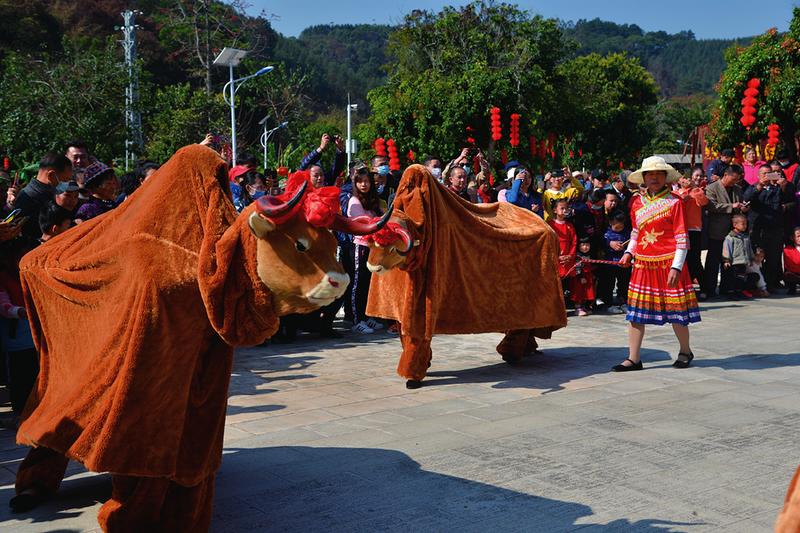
{"x": 627, "y": 368}
{"x": 511, "y": 359}
{"x": 25, "y": 501}
{"x": 683, "y": 360}
{"x": 413, "y": 384}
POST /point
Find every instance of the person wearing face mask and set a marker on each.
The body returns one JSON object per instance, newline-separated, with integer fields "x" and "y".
{"x": 253, "y": 187}
{"x": 434, "y": 165}
{"x": 386, "y": 181}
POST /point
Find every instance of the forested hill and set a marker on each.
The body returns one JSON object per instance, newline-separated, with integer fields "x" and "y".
{"x": 336, "y": 59}
{"x": 681, "y": 64}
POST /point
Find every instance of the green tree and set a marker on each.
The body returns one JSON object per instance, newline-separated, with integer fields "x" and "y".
{"x": 675, "y": 120}
{"x": 451, "y": 67}
{"x": 179, "y": 115}
{"x": 608, "y": 106}
{"x": 774, "y": 59}
{"x": 45, "y": 102}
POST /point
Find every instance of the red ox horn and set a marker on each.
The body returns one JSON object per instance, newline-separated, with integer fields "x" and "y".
{"x": 361, "y": 225}
{"x": 271, "y": 207}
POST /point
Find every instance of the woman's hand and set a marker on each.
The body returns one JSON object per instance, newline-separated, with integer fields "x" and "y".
{"x": 673, "y": 278}
{"x": 9, "y": 231}
{"x": 625, "y": 260}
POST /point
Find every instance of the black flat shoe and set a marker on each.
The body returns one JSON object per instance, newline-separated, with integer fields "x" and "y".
{"x": 413, "y": 384}
{"x": 683, "y": 360}
{"x": 627, "y": 368}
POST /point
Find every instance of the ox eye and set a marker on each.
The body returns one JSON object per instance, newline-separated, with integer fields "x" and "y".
{"x": 301, "y": 245}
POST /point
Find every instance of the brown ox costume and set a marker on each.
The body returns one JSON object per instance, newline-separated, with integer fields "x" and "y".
{"x": 789, "y": 518}
{"x": 472, "y": 269}
{"x": 135, "y": 314}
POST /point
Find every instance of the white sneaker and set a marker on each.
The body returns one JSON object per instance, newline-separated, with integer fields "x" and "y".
{"x": 362, "y": 327}
{"x": 374, "y": 324}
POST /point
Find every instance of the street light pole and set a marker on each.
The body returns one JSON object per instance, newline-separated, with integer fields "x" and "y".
{"x": 349, "y": 148}
{"x": 233, "y": 119}
{"x": 265, "y": 138}
{"x": 231, "y": 57}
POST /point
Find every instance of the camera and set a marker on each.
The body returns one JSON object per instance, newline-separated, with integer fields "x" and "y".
{"x": 557, "y": 173}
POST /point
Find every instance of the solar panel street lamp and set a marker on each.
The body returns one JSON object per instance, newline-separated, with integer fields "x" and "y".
{"x": 231, "y": 57}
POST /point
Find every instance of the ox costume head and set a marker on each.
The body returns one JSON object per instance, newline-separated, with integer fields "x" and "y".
{"x": 296, "y": 250}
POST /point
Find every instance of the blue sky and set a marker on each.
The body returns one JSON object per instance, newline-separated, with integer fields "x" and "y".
{"x": 707, "y": 19}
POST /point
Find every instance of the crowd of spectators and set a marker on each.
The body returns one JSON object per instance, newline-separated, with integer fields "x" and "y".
{"x": 745, "y": 216}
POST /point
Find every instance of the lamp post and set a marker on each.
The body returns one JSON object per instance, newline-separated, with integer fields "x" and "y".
{"x": 231, "y": 57}
{"x": 350, "y": 107}
{"x": 263, "y": 122}
{"x": 265, "y": 138}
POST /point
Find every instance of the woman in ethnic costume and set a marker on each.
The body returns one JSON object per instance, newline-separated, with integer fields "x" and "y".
{"x": 660, "y": 289}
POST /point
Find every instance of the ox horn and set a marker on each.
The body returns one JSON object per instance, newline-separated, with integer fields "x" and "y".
{"x": 358, "y": 225}
{"x": 271, "y": 207}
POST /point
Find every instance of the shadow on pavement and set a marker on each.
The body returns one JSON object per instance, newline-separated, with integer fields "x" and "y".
{"x": 361, "y": 489}
{"x": 74, "y": 495}
{"x": 549, "y": 371}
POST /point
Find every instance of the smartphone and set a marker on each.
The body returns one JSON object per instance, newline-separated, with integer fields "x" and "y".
{"x": 12, "y": 215}
{"x": 21, "y": 221}
{"x": 557, "y": 173}
{"x": 774, "y": 176}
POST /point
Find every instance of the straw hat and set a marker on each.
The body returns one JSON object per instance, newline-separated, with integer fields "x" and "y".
{"x": 653, "y": 164}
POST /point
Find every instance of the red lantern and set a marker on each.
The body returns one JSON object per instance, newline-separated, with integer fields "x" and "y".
{"x": 411, "y": 156}
{"x": 394, "y": 161}
{"x": 751, "y": 92}
{"x": 749, "y": 101}
{"x": 580, "y": 152}
{"x": 497, "y": 128}
{"x": 6, "y": 163}
{"x": 748, "y": 110}
{"x": 753, "y": 83}
{"x": 542, "y": 149}
{"x": 380, "y": 146}
{"x": 470, "y": 140}
{"x": 514, "y": 130}
{"x": 773, "y": 135}
{"x": 504, "y": 156}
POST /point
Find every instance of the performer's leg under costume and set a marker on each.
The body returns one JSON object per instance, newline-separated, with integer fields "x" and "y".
{"x": 415, "y": 359}
{"x": 156, "y": 504}
{"x": 41, "y": 471}
{"x": 518, "y": 343}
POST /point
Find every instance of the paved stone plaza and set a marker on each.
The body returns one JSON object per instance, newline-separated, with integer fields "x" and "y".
{"x": 323, "y": 436}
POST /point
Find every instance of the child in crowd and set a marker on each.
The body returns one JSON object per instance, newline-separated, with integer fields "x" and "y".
{"x": 755, "y": 268}
{"x": 15, "y": 333}
{"x": 567, "y": 243}
{"x": 555, "y": 179}
{"x": 737, "y": 255}
{"x": 365, "y": 201}
{"x": 791, "y": 262}
{"x": 616, "y": 240}
{"x": 582, "y": 283}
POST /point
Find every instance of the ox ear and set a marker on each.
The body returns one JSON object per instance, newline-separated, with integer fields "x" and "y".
{"x": 260, "y": 226}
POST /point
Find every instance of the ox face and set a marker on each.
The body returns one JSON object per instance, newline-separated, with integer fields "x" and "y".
{"x": 297, "y": 262}
{"x": 392, "y": 254}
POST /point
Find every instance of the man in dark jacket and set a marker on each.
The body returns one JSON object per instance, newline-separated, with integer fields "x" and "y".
{"x": 724, "y": 201}
{"x": 53, "y": 169}
{"x": 769, "y": 198}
